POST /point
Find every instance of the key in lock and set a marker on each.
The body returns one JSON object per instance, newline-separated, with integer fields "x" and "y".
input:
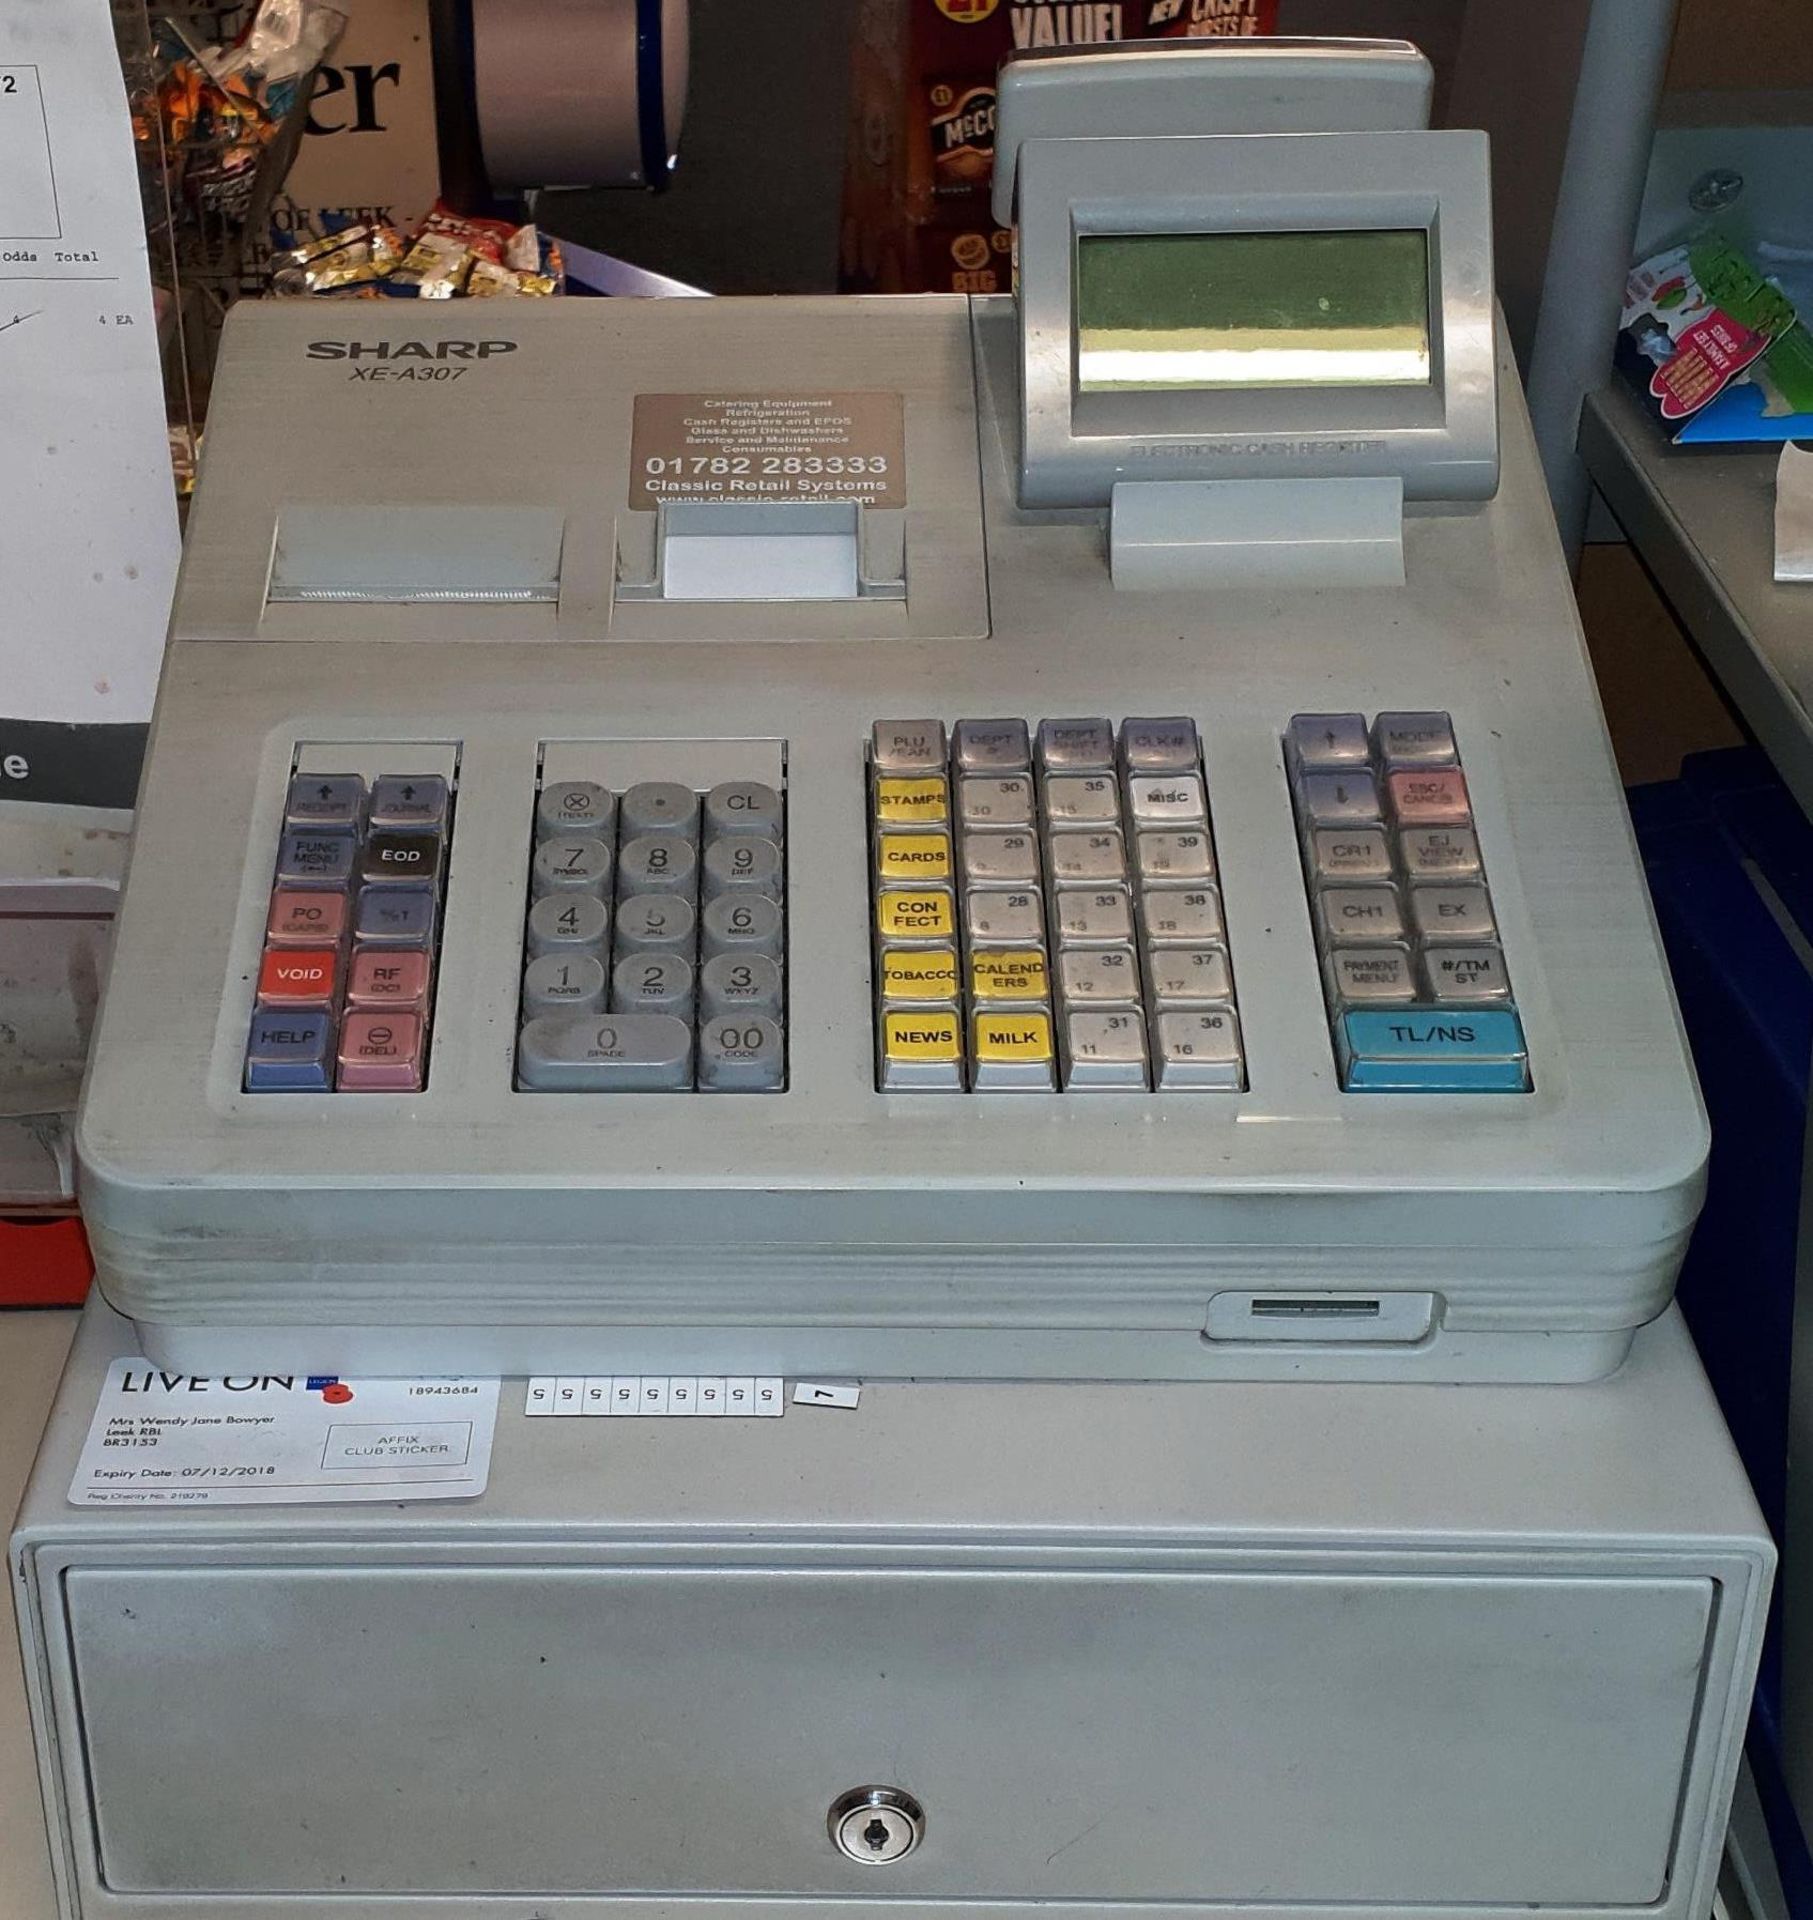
{"x": 876, "y": 1825}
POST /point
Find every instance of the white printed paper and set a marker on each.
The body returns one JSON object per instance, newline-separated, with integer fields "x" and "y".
{"x": 160, "y": 1438}
{"x": 654, "y": 1396}
{"x": 827, "y": 1393}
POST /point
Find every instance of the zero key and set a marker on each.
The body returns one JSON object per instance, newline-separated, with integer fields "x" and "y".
{"x": 605, "y": 1053}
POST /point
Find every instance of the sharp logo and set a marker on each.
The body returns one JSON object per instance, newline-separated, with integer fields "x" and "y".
{"x": 408, "y": 349}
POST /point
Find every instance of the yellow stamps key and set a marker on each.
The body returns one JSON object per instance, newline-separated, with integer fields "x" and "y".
{"x": 922, "y": 1048}
{"x": 1008, "y": 973}
{"x": 913, "y": 856}
{"x": 914, "y": 914}
{"x": 916, "y": 800}
{"x": 1013, "y": 1049}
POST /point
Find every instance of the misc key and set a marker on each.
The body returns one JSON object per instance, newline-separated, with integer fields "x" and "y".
{"x": 1440, "y": 853}
{"x": 1414, "y": 739}
{"x": 653, "y": 983}
{"x": 1011, "y": 1050}
{"x": 1181, "y": 917}
{"x": 989, "y": 746}
{"x": 1350, "y": 853}
{"x": 917, "y": 975}
{"x": 1001, "y": 859}
{"x": 408, "y": 803}
{"x": 907, "y": 746}
{"x": 745, "y": 923}
{"x": 1452, "y": 913}
{"x": 1167, "y": 799}
{"x": 1086, "y": 857}
{"x": 739, "y": 983}
{"x": 571, "y": 863}
{"x": 1360, "y": 913}
{"x": 1002, "y": 802}
{"x": 661, "y": 923}
{"x": 395, "y": 916}
{"x": 290, "y": 1050}
{"x": 1159, "y": 746}
{"x": 309, "y": 858}
{"x": 743, "y": 806}
{"x": 657, "y": 863}
{"x": 742, "y": 862}
{"x": 563, "y": 983}
{"x": 1003, "y": 917}
{"x": 1340, "y": 799}
{"x": 1097, "y": 976}
{"x": 1076, "y": 746}
{"x": 1459, "y": 976}
{"x": 1082, "y": 800}
{"x": 1371, "y": 976}
{"x": 568, "y": 923}
{"x": 658, "y": 806}
{"x": 1327, "y": 742}
{"x": 1093, "y": 916}
{"x": 1190, "y": 976}
{"x": 325, "y": 801}
{"x": 921, "y": 1050}
{"x": 1180, "y": 858}
{"x": 576, "y": 806}
{"x": 741, "y": 1053}
{"x": 1196, "y": 1050}
{"x": 408, "y": 859}
{"x": 1104, "y": 1049}
{"x": 605, "y": 1053}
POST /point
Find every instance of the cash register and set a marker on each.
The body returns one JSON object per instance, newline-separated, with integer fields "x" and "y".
{"x": 1067, "y": 840}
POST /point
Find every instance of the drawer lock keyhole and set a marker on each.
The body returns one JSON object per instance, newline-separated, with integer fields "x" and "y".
{"x": 876, "y": 1825}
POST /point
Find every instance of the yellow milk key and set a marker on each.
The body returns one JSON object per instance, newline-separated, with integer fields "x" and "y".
{"x": 919, "y": 801}
{"x": 1013, "y": 1038}
{"x": 914, "y": 913}
{"x": 913, "y": 856}
{"x": 1008, "y": 973}
{"x": 919, "y": 974}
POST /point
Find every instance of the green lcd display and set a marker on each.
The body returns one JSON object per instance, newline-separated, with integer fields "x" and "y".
{"x": 1205, "y": 312}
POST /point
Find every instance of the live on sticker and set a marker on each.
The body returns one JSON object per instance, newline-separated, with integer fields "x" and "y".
{"x": 768, "y": 446}
{"x": 163, "y": 1438}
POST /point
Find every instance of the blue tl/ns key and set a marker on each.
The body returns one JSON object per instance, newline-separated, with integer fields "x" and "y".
{"x": 290, "y": 1052}
{"x": 1433, "y": 1050}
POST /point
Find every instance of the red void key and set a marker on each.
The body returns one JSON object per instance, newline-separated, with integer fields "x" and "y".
{"x": 380, "y": 1053}
{"x": 297, "y": 977}
{"x": 300, "y": 919}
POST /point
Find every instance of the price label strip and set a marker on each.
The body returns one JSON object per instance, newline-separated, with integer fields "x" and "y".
{"x": 660, "y": 1396}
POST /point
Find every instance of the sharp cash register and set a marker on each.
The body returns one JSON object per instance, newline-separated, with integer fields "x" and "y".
{"x": 1056, "y": 855}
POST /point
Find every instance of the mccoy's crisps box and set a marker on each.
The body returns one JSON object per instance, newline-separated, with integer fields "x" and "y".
{"x": 921, "y": 145}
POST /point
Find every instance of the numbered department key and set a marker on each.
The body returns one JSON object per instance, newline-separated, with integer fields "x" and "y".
{"x": 1196, "y": 1050}
{"x": 1002, "y": 802}
{"x": 653, "y": 983}
{"x": 395, "y": 916}
{"x": 741, "y": 1053}
{"x": 563, "y": 983}
{"x": 1082, "y": 800}
{"x": 1009, "y": 859}
{"x": 1190, "y": 976}
{"x": 739, "y": 983}
{"x": 656, "y": 923}
{"x": 1003, "y": 917}
{"x": 1184, "y": 917}
{"x": 568, "y": 923}
{"x": 576, "y": 806}
{"x": 331, "y": 801}
{"x": 290, "y": 1051}
{"x": 657, "y": 863}
{"x": 658, "y": 806}
{"x": 605, "y": 1053}
{"x": 408, "y": 803}
{"x": 1011, "y": 1050}
{"x": 572, "y": 863}
{"x": 1099, "y": 976}
{"x": 742, "y": 923}
{"x": 742, "y": 862}
{"x": 1104, "y": 1049}
{"x": 1183, "y": 857}
{"x": 1093, "y": 916}
{"x": 921, "y": 1050}
{"x": 307, "y": 858}
{"x": 1086, "y": 858}
{"x": 743, "y": 806}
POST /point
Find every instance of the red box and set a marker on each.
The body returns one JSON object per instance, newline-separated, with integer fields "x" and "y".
{"x": 44, "y": 1263}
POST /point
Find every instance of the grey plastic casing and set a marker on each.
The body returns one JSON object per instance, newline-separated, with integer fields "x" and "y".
{"x": 831, "y": 1226}
{"x": 1265, "y": 1652}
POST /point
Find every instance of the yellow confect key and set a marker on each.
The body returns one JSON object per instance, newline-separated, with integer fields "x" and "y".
{"x": 1013, "y": 1050}
{"x": 1008, "y": 973}
{"x": 913, "y": 801}
{"x": 919, "y": 974}
{"x": 921, "y": 1048}
{"x": 913, "y": 856}
{"x": 914, "y": 913}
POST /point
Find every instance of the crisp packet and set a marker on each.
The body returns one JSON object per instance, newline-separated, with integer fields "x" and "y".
{"x": 436, "y": 267}
{"x": 353, "y": 257}
{"x": 487, "y": 281}
{"x": 488, "y": 239}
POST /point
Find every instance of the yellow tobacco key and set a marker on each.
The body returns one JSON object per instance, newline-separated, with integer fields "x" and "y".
{"x": 913, "y": 913}
{"x": 913, "y": 856}
{"x": 1013, "y": 1050}
{"x": 921, "y": 801}
{"x": 1008, "y": 973}
{"x": 923, "y": 1049}
{"x": 929, "y": 973}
